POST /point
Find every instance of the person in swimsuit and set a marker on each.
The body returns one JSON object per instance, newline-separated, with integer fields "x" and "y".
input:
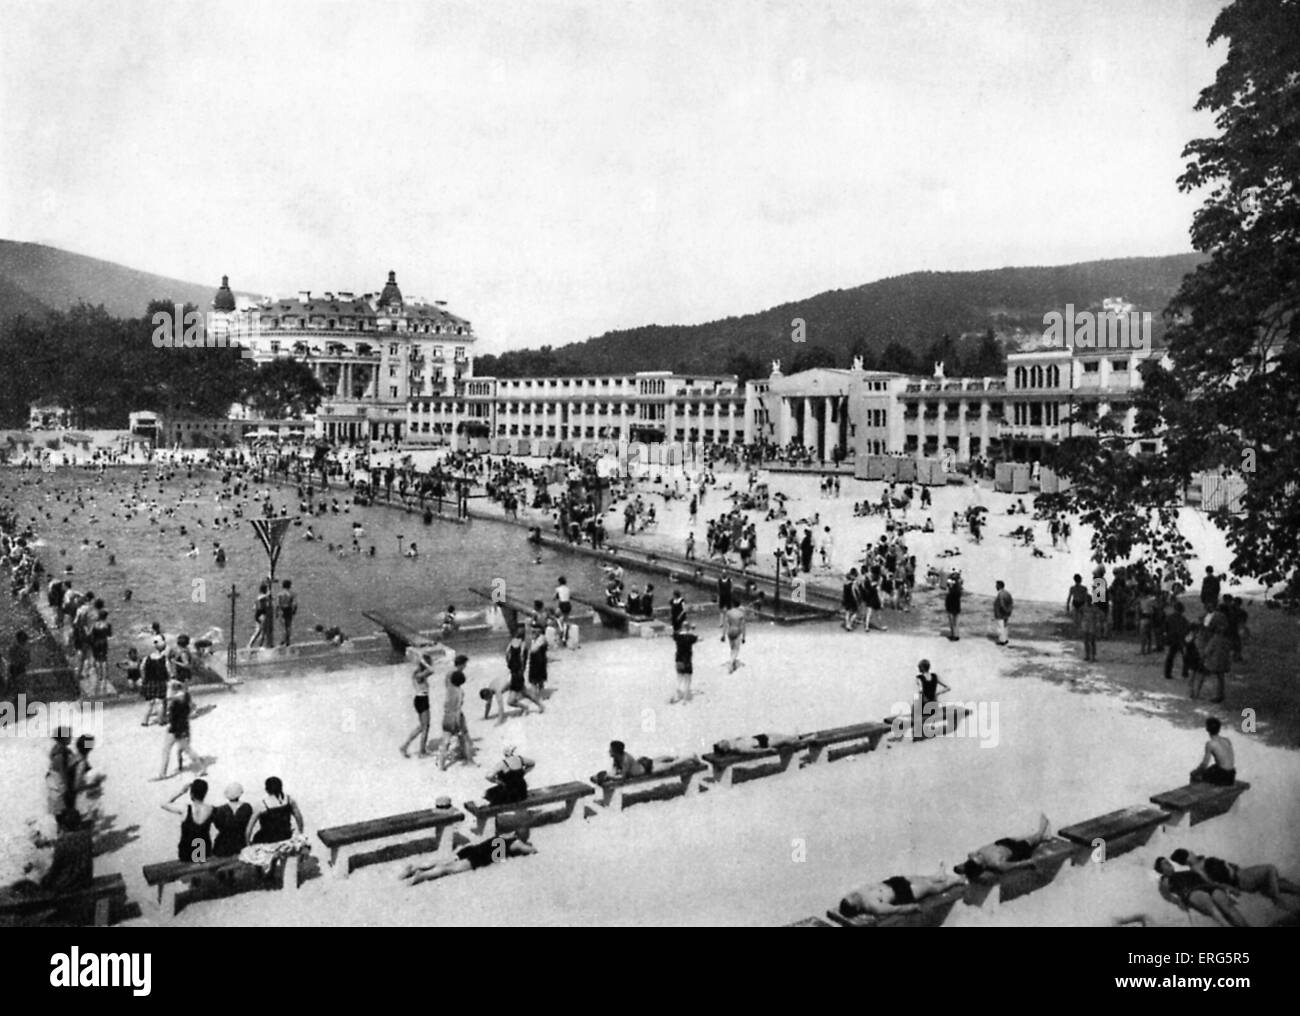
{"x": 1219, "y": 765}
{"x": 1193, "y": 891}
{"x": 179, "y": 707}
{"x": 901, "y": 894}
{"x": 756, "y": 743}
{"x": 929, "y": 684}
{"x": 849, "y": 599}
{"x": 1005, "y": 854}
{"x": 274, "y": 818}
{"x": 471, "y": 857}
{"x": 537, "y": 661}
{"x": 508, "y": 779}
{"x": 153, "y": 687}
{"x": 624, "y": 766}
{"x": 181, "y": 660}
{"x": 733, "y": 624}
{"x": 196, "y": 824}
{"x": 952, "y": 604}
{"x": 231, "y": 823}
{"x": 454, "y": 728}
{"x": 1256, "y": 878}
{"x": 424, "y": 659}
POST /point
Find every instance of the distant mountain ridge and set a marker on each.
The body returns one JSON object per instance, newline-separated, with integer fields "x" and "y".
{"x": 35, "y": 278}
{"x": 914, "y": 310}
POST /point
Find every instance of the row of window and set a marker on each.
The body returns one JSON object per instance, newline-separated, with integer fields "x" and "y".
{"x": 358, "y": 325}
{"x": 578, "y": 433}
{"x": 595, "y": 408}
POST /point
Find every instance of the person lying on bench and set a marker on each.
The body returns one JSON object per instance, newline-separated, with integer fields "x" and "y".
{"x": 625, "y": 767}
{"x": 901, "y": 894}
{"x": 1005, "y": 854}
{"x": 1193, "y": 891}
{"x": 757, "y": 744}
{"x": 1219, "y": 765}
{"x": 1256, "y": 878}
{"x": 472, "y": 856}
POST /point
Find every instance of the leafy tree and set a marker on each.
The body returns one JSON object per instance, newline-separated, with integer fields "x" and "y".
{"x": 284, "y": 389}
{"x": 898, "y": 358}
{"x": 810, "y": 357}
{"x": 1229, "y": 395}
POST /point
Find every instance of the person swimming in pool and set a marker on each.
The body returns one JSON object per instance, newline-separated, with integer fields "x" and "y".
{"x": 901, "y": 894}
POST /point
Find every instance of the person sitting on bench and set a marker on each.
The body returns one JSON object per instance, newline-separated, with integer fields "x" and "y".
{"x": 1219, "y": 766}
{"x": 508, "y": 778}
{"x": 623, "y": 766}
{"x": 756, "y": 744}
{"x": 1193, "y": 891}
{"x": 901, "y": 894}
{"x": 1005, "y": 854}
{"x": 472, "y": 856}
{"x": 1256, "y": 878}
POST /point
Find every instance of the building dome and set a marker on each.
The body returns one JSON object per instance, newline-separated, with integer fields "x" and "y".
{"x": 391, "y": 293}
{"x": 225, "y": 299}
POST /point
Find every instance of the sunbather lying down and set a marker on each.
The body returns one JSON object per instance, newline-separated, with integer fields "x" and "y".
{"x": 1006, "y": 854}
{"x": 901, "y": 894}
{"x": 756, "y": 743}
{"x": 472, "y": 856}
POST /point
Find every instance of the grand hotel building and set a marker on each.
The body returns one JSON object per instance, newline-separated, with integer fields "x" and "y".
{"x": 399, "y": 370}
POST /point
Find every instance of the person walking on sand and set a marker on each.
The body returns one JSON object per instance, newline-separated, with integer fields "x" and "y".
{"x": 952, "y": 604}
{"x": 179, "y": 707}
{"x": 420, "y": 683}
{"x": 1002, "y": 607}
{"x": 684, "y": 640}
{"x": 454, "y": 726}
{"x": 286, "y": 605}
{"x": 733, "y": 625}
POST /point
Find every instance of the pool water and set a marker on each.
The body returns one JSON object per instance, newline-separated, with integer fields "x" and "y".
{"x": 74, "y": 511}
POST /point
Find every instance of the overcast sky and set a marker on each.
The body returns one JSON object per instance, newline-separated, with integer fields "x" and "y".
{"x": 554, "y": 170}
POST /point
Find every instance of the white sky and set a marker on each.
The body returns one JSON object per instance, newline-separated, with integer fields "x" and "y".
{"x": 557, "y": 169}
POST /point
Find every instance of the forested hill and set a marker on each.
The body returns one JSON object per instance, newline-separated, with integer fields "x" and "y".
{"x": 914, "y": 312}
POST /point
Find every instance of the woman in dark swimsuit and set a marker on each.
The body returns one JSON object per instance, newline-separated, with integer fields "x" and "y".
{"x": 1193, "y": 891}
{"x": 275, "y": 817}
{"x": 196, "y": 823}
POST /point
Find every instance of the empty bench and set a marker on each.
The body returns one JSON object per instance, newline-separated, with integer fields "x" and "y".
{"x": 614, "y": 792}
{"x": 567, "y": 794}
{"x": 400, "y": 634}
{"x": 934, "y": 910}
{"x": 346, "y": 842}
{"x": 844, "y": 741}
{"x": 732, "y": 767}
{"x": 1118, "y": 832}
{"x": 1049, "y": 858}
{"x": 166, "y": 876}
{"x": 97, "y": 902}
{"x": 1199, "y": 800}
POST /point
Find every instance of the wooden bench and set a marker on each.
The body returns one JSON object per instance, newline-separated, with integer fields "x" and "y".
{"x": 853, "y": 740}
{"x": 568, "y": 794}
{"x": 732, "y": 767}
{"x": 1049, "y": 858}
{"x": 943, "y": 722}
{"x": 934, "y": 911}
{"x": 809, "y": 922}
{"x": 613, "y": 791}
{"x": 399, "y": 634}
{"x": 105, "y": 895}
{"x": 1119, "y": 831}
{"x": 166, "y": 875}
{"x": 344, "y": 842}
{"x": 1199, "y": 800}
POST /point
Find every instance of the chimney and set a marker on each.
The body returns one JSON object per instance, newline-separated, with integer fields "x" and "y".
{"x": 305, "y": 295}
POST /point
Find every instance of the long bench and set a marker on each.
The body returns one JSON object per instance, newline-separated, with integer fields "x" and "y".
{"x": 568, "y": 794}
{"x": 732, "y": 767}
{"x": 851, "y": 740}
{"x": 345, "y": 842}
{"x": 400, "y": 634}
{"x": 1199, "y": 800}
{"x": 934, "y": 911}
{"x": 942, "y": 722}
{"x": 1049, "y": 858}
{"x": 166, "y": 875}
{"x": 614, "y": 792}
{"x": 105, "y": 895}
{"x": 1117, "y": 832}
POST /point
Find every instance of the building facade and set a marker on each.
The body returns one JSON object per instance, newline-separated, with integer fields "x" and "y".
{"x": 649, "y": 406}
{"x": 373, "y": 353}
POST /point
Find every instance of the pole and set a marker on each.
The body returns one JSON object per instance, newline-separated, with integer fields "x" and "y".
{"x": 777, "y": 583}
{"x": 231, "y": 655}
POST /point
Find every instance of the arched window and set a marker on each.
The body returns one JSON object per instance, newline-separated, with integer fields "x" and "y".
{"x": 1020, "y": 377}
{"x": 1036, "y": 377}
{"x": 1053, "y": 377}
